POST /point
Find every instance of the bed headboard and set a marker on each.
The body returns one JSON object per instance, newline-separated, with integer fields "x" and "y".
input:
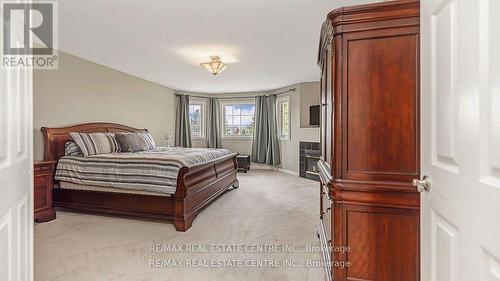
{"x": 56, "y": 138}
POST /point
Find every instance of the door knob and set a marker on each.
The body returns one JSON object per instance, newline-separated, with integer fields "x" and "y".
{"x": 423, "y": 185}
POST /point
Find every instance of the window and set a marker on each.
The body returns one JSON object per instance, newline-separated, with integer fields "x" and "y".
{"x": 239, "y": 119}
{"x": 283, "y": 116}
{"x": 197, "y": 118}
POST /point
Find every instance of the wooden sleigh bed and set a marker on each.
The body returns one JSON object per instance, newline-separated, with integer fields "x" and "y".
{"x": 196, "y": 187}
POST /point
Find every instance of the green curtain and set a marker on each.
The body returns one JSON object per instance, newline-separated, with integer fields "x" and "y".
{"x": 214, "y": 123}
{"x": 265, "y": 145}
{"x": 182, "y": 126}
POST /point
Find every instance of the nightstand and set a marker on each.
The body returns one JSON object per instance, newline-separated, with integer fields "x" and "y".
{"x": 44, "y": 182}
{"x": 243, "y": 162}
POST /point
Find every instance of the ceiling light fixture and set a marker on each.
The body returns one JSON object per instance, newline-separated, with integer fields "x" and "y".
{"x": 215, "y": 65}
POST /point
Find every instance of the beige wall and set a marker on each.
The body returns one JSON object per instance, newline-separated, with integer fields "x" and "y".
{"x": 290, "y": 149}
{"x": 309, "y": 96}
{"x": 306, "y": 94}
{"x": 81, "y": 91}
{"x": 243, "y": 146}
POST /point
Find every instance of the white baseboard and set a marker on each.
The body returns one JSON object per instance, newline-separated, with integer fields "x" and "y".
{"x": 271, "y": 168}
{"x": 289, "y": 172}
{"x": 256, "y": 166}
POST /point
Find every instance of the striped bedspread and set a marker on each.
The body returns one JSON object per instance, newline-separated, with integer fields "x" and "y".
{"x": 154, "y": 170}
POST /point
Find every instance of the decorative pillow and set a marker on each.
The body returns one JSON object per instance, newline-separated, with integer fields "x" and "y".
{"x": 149, "y": 140}
{"x": 131, "y": 142}
{"x": 95, "y": 143}
{"x": 72, "y": 149}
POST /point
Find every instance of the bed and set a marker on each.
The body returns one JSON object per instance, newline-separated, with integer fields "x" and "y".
{"x": 193, "y": 186}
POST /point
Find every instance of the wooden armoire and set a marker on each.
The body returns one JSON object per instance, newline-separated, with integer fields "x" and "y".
{"x": 370, "y": 142}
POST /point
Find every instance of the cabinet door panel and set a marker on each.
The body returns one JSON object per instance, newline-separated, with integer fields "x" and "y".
{"x": 383, "y": 243}
{"x": 382, "y": 120}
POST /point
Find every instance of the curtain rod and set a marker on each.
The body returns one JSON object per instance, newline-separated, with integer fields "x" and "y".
{"x": 241, "y": 97}
{"x": 284, "y": 92}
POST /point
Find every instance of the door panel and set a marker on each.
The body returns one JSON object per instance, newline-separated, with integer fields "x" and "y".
{"x": 490, "y": 270}
{"x": 444, "y": 243}
{"x": 444, "y": 63}
{"x": 21, "y": 118}
{"x": 4, "y": 109}
{"x": 23, "y": 230}
{"x": 5, "y": 246}
{"x": 461, "y": 139}
{"x": 16, "y": 171}
{"x": 491, "y": 84}
{"x": 489, "y": 182}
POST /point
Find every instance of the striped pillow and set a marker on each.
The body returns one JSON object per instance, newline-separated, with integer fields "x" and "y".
{"x": 72, "y": 149}
{"x": 149, "y": 140}
{"x": 131, "y": 142}
{"x": 95, "y": 143}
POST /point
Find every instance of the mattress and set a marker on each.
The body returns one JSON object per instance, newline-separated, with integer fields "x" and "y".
{"x": 151, "y": 171}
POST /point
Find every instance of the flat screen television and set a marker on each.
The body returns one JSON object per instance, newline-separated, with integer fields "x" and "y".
{"x": 314, "y": 115}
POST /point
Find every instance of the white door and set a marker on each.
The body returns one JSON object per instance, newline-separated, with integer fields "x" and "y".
{"x": 460, "y": 55}
{"x": 16, "y": 179}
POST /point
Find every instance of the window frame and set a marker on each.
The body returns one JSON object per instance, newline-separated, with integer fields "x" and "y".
{"x": 203, "y": 104}
{"x": 223, "y": 115}
{"x": 279, "y": 101}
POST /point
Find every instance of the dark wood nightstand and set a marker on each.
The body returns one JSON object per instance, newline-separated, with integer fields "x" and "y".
{"x": 243, "y": 162}
{"x": 44, "y": 182}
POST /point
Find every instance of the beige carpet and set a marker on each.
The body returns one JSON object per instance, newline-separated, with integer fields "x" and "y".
{"x": 269, "y": 208}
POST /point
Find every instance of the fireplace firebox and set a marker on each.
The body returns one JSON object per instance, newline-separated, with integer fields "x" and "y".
{"x": 309, "y": 154}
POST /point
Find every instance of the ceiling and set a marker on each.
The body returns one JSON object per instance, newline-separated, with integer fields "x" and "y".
{"x": 266, "y": 44}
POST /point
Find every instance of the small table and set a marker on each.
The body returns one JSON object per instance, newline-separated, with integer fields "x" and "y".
{"x": 243, "y": 162}
{"x": 43, "y": 184}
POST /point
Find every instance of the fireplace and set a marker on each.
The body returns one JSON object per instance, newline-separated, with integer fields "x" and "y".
{"x": 309, "y": 154}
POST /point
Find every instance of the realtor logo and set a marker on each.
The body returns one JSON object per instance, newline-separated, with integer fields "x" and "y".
{"x": 29, "y": 35}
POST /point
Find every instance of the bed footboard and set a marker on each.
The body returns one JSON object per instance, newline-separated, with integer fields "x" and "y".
{"x": 197, "y": 187}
